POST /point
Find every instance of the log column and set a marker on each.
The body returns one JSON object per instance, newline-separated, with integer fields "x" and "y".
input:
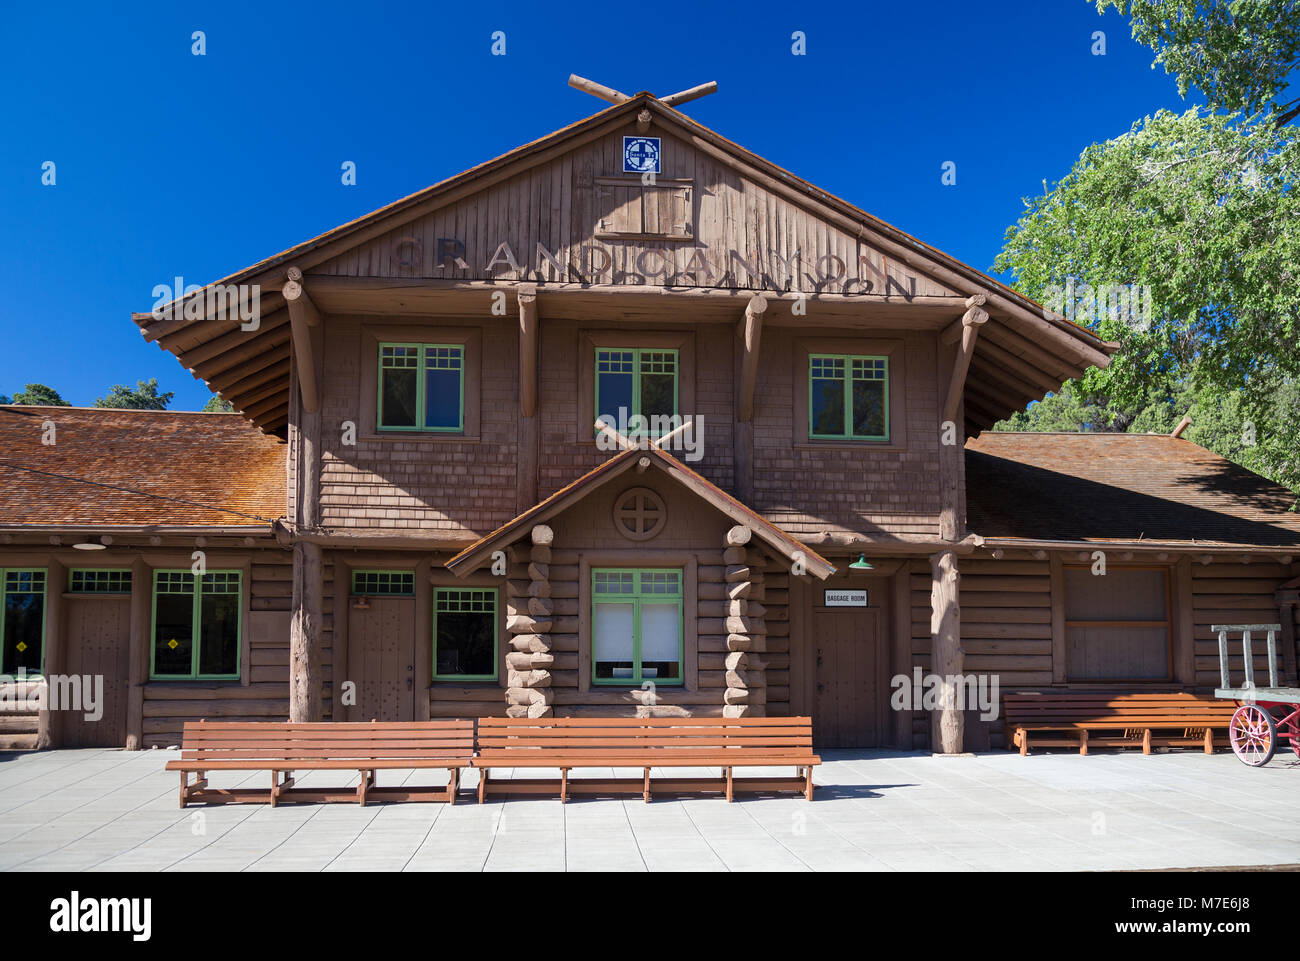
{"x": 946, "y": 655}
{"x": 746, "y": 692}
{"x": 529, "y": 621}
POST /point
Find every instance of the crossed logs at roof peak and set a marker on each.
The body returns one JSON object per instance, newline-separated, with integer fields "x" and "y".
{"x": 614, "y": 96}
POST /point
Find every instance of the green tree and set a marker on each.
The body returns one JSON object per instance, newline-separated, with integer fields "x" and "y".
{"x": 145, "y": 396}
{"x": 39, "y": 395}
{"x": 216, "y": 405}
{"x": 1239, "y": 53}
{"x": 1201, "y": 213}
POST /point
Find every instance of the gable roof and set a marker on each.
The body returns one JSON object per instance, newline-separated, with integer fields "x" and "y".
{"x": 786, "y": 546}
{"x": 1035, "y": 352}
{"x": 111, "y": 468}
{"x": 1120, "y": 488}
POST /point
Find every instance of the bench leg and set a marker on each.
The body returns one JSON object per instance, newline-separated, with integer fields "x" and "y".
{"x": 808, "y": 790}
{"x": 482, "y": 783}
{"x": 1023, "y": 735}
{"x": 564, "y": 785}
{"x": 730, "y": 794}
{"x": 453, "y": 785}
{"x": 1083, "y": 742}
{"x": 275, "y": 788}
{"x": 1209, "y": 740}
{"x": 367, "y": 782}
{"x": 185, "y": 780}
{"x": 646, "y": 787}
{"x": 1146, "y": 741}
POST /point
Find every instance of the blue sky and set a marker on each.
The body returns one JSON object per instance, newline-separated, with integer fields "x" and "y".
{"x": 173, "y": 164}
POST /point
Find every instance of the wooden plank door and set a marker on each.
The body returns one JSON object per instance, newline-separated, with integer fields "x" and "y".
{"x": 846, "y": 677}
{"x": 381, "y": 659}
{"x": 98, "y": 644}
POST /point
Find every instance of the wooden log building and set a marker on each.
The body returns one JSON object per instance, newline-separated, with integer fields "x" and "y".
{"x": 415, "y": 514}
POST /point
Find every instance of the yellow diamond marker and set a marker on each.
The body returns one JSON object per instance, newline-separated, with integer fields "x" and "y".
{"x": 173, "y": 643}
{"x": 22, "y": 646}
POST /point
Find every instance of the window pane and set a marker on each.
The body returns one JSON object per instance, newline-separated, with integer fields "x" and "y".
{"x": 1123, "y": 594}
{"x": 383, "y": 584}
{"x": 613, "y": 383}
{"x": 1117, "y": 653}
{"x": 173, "y": 622}
{"x": 869, "y": 408}
{"x": 660, "y": 638}
{"x": 101, "y": 582}
{"x": 658, "y": 383}
{"x": 827, "y": 412}
{"x": 23, "y": 614}
{"x": 465, "y": 642}
{"x": 442, "y": 393}
{"x": 869, "y": 384}
{"x": 611, "y": 640}
{"x": 219, "y": 630}
{"x": 398, "y": 368}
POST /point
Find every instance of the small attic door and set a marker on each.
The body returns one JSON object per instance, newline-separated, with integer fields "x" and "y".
{"x": 628, "y": 208}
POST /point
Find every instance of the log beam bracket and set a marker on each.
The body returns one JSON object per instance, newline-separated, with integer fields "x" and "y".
{"x": 966, "y": 329}
{"x": 303, "y": 316}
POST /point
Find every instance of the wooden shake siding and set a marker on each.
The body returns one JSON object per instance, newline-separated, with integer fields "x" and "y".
{"x": 265, "y": 696}
{"x": 402, "y": 481}
{"x": 564, "y": 456}
{"x": 809, "y": 488}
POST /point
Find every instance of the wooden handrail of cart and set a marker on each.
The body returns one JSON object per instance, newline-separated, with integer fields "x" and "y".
{"x": 1247, "y": 658}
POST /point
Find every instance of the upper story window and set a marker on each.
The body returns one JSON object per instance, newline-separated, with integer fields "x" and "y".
{"x": 641, "y": 381}
{"x": 421, "y": 387}
{"x": 22, "y": 621}
{"x": 196, "y": 623}
{"x": 848, "y": 397}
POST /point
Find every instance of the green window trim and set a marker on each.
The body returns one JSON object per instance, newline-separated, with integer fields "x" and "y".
{"x": 99, "y": 580}
{"x": 467, "y": 600}
{"x": 638, "y": 361}
{"x": 22, "y": 581}
{"x": 377, "y": 583}
{"x": 421, "y": 358}
{"x": 182, "y": 581}
{"x": 848, "y": 369}
{"x": 638, "y": 585}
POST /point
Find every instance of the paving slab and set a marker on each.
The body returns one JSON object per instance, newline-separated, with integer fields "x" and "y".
{"x": 98, "y": 810}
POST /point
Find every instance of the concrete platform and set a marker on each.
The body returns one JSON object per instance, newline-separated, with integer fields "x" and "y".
{"x": 95, "y": 810}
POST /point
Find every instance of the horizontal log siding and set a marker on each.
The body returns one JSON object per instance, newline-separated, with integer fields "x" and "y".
{"x": 775, "y": 597}
{"x": 1233, "y": 593}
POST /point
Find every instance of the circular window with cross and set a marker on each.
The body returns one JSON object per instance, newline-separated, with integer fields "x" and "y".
{"x": 640, "y": 514}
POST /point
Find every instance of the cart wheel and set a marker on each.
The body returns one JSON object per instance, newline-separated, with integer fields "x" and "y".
{"x": 1253, "y": 735}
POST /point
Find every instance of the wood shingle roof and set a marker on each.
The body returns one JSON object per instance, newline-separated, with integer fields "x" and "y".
{"x": 132, "y": 468}
{"x": 1120, "y": 487}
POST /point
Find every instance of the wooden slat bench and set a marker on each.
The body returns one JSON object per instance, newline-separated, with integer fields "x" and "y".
{"x": 283, "y": 748}
{"x": 1086, "y": 719}
{"x": 646, "y": 743}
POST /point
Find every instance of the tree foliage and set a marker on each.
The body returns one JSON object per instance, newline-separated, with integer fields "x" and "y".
{"x": 1202, "y": 212}
{"x": 144, "y": 396}
{"x": 1239, "y": 53}
{"x": 216, "y": 405}
{"x": 37, "y": 395}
